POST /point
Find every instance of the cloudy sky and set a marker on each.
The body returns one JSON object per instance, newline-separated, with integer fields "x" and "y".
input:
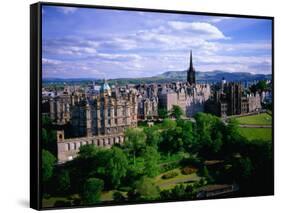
{"x": 96, "y": 43}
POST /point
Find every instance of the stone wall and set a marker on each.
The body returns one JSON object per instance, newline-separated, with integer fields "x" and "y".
{"x": 68, "y": 149}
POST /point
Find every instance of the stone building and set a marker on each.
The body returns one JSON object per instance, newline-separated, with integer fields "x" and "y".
{"x": 231, "y": 99}
{"x": 191, "y": 97}
{"x": 147, "y": 108}
{"x": 99, "y": 120}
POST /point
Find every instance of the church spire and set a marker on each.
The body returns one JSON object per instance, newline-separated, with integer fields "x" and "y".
{"x": 191, "y": 71}
{"x": 190, "y": 61}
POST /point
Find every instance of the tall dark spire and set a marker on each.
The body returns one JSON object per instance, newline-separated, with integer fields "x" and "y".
{"x": 191, "y": 72}
{"x": 190, "y": 61}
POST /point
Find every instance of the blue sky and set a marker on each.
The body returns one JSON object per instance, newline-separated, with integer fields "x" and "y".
{"x": 98, "y": 43}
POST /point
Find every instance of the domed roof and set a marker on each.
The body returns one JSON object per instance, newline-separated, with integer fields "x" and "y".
{"x": 105, "y": 87}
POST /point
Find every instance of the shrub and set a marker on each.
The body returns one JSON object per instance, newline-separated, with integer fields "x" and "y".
{"x": 170, "y": 175}
{"x": 169, "y": 166}
{"x": 118, "y": 197}
{"x": 124, "y": 188}
{"x": 191, "y": 161}
{"x": 189, "y": 170}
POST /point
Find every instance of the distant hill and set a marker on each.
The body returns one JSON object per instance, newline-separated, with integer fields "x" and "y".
{"x": 216, "y": 75}
{"x": 170, "y": 76}
{"x": 213, "y": 76}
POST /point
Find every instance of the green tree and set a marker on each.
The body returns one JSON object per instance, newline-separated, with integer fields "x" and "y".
{"x": 163, "y": 113}
{"x": 46, "y": 121}
{"x": 153, "y": 136}
{"x": 178, "y": 192}
{"x": 118, "y": 197}
{"x": 147, "y": 189}
{"x": 49, "y": 140}
{"x": 48, "y": 163}
{"x": 88, "y": 151}
{"x": 242, "y": 169}
{"x": 188, "y": 134}
{"x": 151, "y": 157}
{"x": 134, "y": 141}
{"x": 116, "y": 166}
{"x": 176, "y": 112}
{"x": 63, "y": 181}
{"x": 209, "y": 131}
{"x": 168, "y": 123}
{"x": 91, "y": 191}
{"x": 172, "y": 140}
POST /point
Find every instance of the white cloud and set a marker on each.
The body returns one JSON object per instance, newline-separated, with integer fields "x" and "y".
{"x": 67, "y": 10}
{"x": 198, "y": 27}
{"x": 50, "y": 61}
{"x": 218, "y": 19}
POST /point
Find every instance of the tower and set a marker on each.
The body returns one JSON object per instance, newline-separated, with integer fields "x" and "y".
{"x": 105, "y": 89}
{"x": 191, "y": 72}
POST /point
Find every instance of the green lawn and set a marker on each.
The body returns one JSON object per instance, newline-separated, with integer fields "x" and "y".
{"x": 172, "y": 182}
{"x": 256, "y": 133}
{"x": 260, "y": 119}
{"x": 50, "y": 202}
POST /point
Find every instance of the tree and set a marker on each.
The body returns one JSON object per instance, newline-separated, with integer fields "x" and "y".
{"x": 168, "y": 123}
{"x": 188, "y": 133}
{"x": 153, "y": 136}
{"x": 115, "y": 167}
{"x": 163, "y": 113}
{"x": 172, "y": 140}
{"x": 49, "y": 140}
{"x": 46, "y": 121}
{"x": 92, "y": 191}
{"x": 48, "y": 163}
{"x": 151, "y": 157}
{"x": 134, "y": 141}
{"x": 88, "y": 151}
{"x": 176, "y": 112}
{"x": 209, "y": 131}
{"x": 118, "y": 197}
{"x": 147, "y": 189}
{"x": 63, "y": 181}
{"x": 178, "y": 192}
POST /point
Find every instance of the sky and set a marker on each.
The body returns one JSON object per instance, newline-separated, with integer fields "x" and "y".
{"x": 100, "y": 43}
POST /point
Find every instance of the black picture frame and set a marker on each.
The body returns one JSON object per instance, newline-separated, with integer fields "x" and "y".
{"x": 36, "y": 91}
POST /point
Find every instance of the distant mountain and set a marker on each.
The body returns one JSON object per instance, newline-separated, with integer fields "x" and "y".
{"x": 67, "y": 80}
{"x": 169, "y": 76}
{"x": 215, "y": 75}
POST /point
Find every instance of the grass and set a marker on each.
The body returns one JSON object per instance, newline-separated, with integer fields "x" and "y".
{"x": 171, "y": 158}
{"x": 259, "y": 119}
{"x": 257, "y": 133}
{"x": 50, "y": 202}
{"x": 172, "y": 182}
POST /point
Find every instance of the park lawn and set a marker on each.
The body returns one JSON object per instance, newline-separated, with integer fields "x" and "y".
{"x": 105, "y": 196}
{"x": 259, "y": 119}
{"x": 108, "y": 195}
{"x": 172, "y": 182}
{"x": 50, "y": 202}
{"x": 256, "y": 133}
{"x": 172, "y": 158}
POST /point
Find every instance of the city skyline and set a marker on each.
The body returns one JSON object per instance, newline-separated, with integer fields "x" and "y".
{"x": 99, "y": 43}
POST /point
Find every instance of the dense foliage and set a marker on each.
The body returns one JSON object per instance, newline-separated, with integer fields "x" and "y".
{"x": 130, "y": 170}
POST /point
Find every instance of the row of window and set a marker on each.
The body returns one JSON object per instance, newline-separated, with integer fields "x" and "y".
{"x": 98, "y": 142}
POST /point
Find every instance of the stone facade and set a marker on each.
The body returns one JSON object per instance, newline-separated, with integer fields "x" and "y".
{"x": 100, "y": 120}
{"x": 231, "y": 99}
{"x": 69, "y": 148}
{"x": 191, "y": 99}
